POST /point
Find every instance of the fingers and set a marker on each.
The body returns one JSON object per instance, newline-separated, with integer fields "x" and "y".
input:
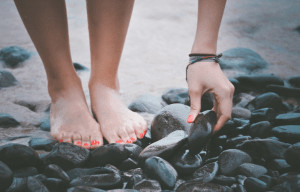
{"x": 195, "y": 99}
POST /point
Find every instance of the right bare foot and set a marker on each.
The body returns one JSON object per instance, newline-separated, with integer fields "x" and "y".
{"x": 70, "y": 118}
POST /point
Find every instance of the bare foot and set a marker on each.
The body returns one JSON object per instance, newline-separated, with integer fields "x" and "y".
{"x": 71, "y": 120}
{"x": 118, "y": 124}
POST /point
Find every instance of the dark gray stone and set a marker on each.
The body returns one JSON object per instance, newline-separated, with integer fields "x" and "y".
{"x": 294, "y": 81}
{"x": 288, "y": 182}
{"x": 231, "y": 159}
{"x": 175, "y": 95}
{"x": 18, "y": 185}
{"x": 240, "y": 112}
{"x": 80, "y": 67}
{"x": 13, "y": 55}
{"x": 18, "y": 156}
{"x": 284, "y": 91}
{"x": 42, "y": 143}
{"x": 201, "y": 131}
{"x": 7, "y": 79}
{"x": 254, "y": 184}
{"x": 159, "y": 169}
{"x": 35, "y": 185}
{"x": 207, "y": 101}
{"x": 206, "y": 173}
{"x": 268, "y": 100}
{"x": 26, "y": 172}
{"x": 77, "y": 172}
{"x": 67, "y": 156}
{"x": 147, "y": 103}
{"x": 7, "y": 121}
{"x": 264, "y": 114}
{"x": 287, "y": 133}
{"x": 45, "y": 125}
{"x": 128, "y": 164}
{"x": 84, "y": 189}
{"x": 260, "y": 129}
{"x": 251, "y": 170}
{"x": 280, "y": 165}
{"x": 242, "y": 59}
{"x": 148, "y": 185}
{"x": 258, "y": 81}
{"x": 288, "y": 119}
{"x": 292, "y": 155}
{"x": 55, "y": 171}
{"x": 168, "y": 119}
{"x": 6, "y": 176}
{"x": 224, "y": 180}
{"x": 55, "y": 184}
{"x": 197, "y": 186}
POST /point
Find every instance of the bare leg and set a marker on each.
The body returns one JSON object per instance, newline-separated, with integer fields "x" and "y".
{"x": 71, "y": 121}
{"x": 108, "y": 24}
{"x": 207, "y": 76}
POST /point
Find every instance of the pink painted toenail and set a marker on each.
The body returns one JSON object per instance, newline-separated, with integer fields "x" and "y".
{"x": 119, "y": 141}
{"x": 78, "y": 142}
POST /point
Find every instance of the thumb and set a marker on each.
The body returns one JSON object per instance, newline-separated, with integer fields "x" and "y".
{"x": 195, "y": 100}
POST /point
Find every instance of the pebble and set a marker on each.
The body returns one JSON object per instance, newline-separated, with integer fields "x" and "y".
{"x": 288, "y": 119}
{"x": 6, "y": 176}
{"x": 80, "y": 67}
{"x": 45, "y": 144}
{"x": 13, "y": 55}
{"x": 165, "y": 147}
{"x": 55, "y": 184}
{"x": 292, "y": 155}
{"x": 242, "y": 59}
{"x": 128, "y": 164}
{"x": 26, "y": 172}
{"x": 268, "y": 100}
{"x": 17, "y": 156}
{"x": 240, "y": 112}
{"x": 200, "y": 186}
{"x": 67, "y": 156}
{"x": 168, "y": 119}
{"x": 18, "y": 185}
{"x": 280, "y": 165}
{"x": 148, "y": 185}
{"x": 201, "y": 131}
{"x": 224, "y": 180}
{"x": 147, "y": 103}
{"x": 254, "y": 184}
{"x": 294, "y": 81}
{"x": 251, "y": 170}
{"x": 185, "y": 163}
{"x": 284, "y": 91}
{"x": 231, "y": 159}
{"x": 7, "y": 79}
{"x": 206, "y": 173}
{"x": 84, "y": 189}
{"x": 77, "y": 172}
{"x": 45, "y": 125}
{"x": 288, "y": 182}
{"x": 7, "y": 121}
{"x": 159, "y": 169}
{"x": 264, "y": 114}
{"x": 287, "y": 133}
{"x": 55, "y": 171}
{"x": 260, "y": 129}
{"x": 175, "y": 95}
{"x": 34, "y": 185}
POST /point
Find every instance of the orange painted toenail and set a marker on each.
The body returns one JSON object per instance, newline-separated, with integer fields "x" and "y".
{"x": 98, "y": 142}
{"x": 141, "y": 135}
{"x": 145, "y": 132}
{"x": 95, "y": 142}
{"x": 85, "y": 144}
{"x": 128, "y": 141}
{"x": 132, "y": 139}
{"x": 119, "y": 141}
{"x": 61, "y": 140}
{"x": 78, "y": 142}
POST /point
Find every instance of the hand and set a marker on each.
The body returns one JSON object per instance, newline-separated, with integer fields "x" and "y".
{"x": 208, "y": 77}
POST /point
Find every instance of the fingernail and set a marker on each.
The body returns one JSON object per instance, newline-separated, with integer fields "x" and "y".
{"x": 141, "y": 135}
{"x": 78, "y": 142}
{"x": 85, "y": 144}
{"x": 190, "y": 119}
{"x": 132, "y": 139}
{"x": 119, "y": 141}
{"x": 61, "y": 140}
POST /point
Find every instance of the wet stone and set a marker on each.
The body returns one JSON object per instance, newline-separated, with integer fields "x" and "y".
{"x": 207, "y": 101}
{"x": 233, "y": 142}
{"x": 288, "y": 182}
{"x": 45, "y": 125}
{"x": 251, "y": 170}
{"x": 7, "y": 120}
{"x": 42, "y": 143}
{"x": 201, "y": 131}
{"x": 26, "y": 172}
{"x": 128, "y": 164}
{"x": 284, "y": 91}
{"x": 175, "y": 95}
{"x": 168, "y": 119}
{"x": 67, "y": 156}
{"x": 165, "y": 147}
{"x": 231, "y": 159}
{"x": 254, "y": 184}
{"x": 260, "y": 129}
{"x": 239, "y": 112}
{"x": 288, "y": 119}
{"x": 199, "y": 186}
{"x": 240, "y": 188}
{"x": 35, "y": 185}
{"x": 206, "y": 173}
{"x": 287, "y": 133}
{"x": 267, "y": 179}
{"x": 55, "y": 171}
{"x": 147, "y": 103}
{"x": 258, "y": 81}
{"x": 159, "y": 169}
{"x": 80, "y": 67}
{"x": 84, "y": 189}
{"x": 55, "y": 184}
{"x": 268, "y": 100}
{"x": 280, "y": 165}
{"x": 292, "y": 155}
{"x": 6, "y": 176}
{"x": 18, "y": 156}
{"x": 148, "y": 185}
{"x": 18, "y": 185}
{"x": 13, "y": 55}
{"x": 264, "y": 114}
{"x": 294, "y": 81}
{"x": 224, "y": 180}
{"x": 186, "y": 163}
{"x": 267, "y": 149}
{"x": 77, "y": 172}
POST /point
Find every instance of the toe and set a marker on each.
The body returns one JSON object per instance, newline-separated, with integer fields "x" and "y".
{"x": 96, "y": 141}
{"x": 114, "y": 138}
{"x": 77, "y": 140}
{"x": 86, "y": 142}
{"x": 67, "y": 138}
{"x": 124, "y": 135}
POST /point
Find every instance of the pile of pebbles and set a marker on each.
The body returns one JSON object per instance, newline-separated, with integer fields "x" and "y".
{"x": 257, "y": 150}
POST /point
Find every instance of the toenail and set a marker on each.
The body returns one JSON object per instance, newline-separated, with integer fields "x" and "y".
{"x": 85, "y": 144}
{"x": 95, "y": 142}
{"x": 145, "y": 132}
{"x": 119, "y": 141}
{"x": 128, "y": 141}
{"x": 61, "y": 140}
{"x": 141, "y": 135}
{"x": 132, "y": 139}
{"x": 78, "y": 142}
{"x": 98, "y": 143}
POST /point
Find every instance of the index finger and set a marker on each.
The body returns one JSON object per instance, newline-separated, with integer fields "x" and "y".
{"x": 224, "y": 108}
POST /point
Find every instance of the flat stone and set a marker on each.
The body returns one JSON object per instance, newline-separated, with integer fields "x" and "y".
{"x": 147, "y": 103}
{"x": 294, "y": 81}
{"x": 165, "y": 147}
{"x": 231, "y": 159}
{"x": 240, "y": 112}
{"x": 84, "y": 189}
{"x": 242, "y": 59}
{"x": 258, "y": 81}
{"x": 280, "y": 165}
{"x": 159, "y": 169}
{"x": 268, "y": 100}
{"x": 197, "y": 186}
{"x": 17, "y": 156}
{"x": 288, "y": 119}
{"x": 77, "y": 172}
{"x": 67, "y": 156}
{"x": 168, "y": 119}
{"x": 175, "y": 95}
{"x": 201, "y": 131}
{"x": 80, "y": 67}
{"x": 260, "y": 129}
{"x": 26, "y": 172}
{"x": 264, "y": 114}
{"x": 6, "y": 176}
{"x": 54, "y": 171}
{"x": 251, "y": 170}
{"x": 206, "y": 173}
{"x": 185, "y": 163}
{"x": 284, "y": 91}
{"x": 287, "y": 133}
{"x": 148, "y": 185}
{"x": 292, "y": 155}
{"x": 42, "y": 143}
{"x": 34, "y": 185}
{"x": 13, "y": 55}
{"x": 224, "y": 180}
{"x": 45, "y": 125}
{"x": 7, "y": 121}
{"x": 254, "y": 184}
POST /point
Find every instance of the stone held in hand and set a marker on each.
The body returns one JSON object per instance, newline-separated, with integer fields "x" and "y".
{"x": 201, "y": 131}
{"x": 159, "y": 169}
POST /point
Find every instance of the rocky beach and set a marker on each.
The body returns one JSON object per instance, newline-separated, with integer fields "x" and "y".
{"x": 257, "y": 150}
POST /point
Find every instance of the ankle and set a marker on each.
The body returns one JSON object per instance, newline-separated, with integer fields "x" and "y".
{"x": 111, "y": 83}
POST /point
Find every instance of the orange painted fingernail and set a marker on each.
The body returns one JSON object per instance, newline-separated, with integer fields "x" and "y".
{"x": 78, "y": 142}
{"x": 119, "y": 141}
{"x": 190, "y": 119}
{"x": 61, "y": 140}
{"x": 85, "y": 144}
